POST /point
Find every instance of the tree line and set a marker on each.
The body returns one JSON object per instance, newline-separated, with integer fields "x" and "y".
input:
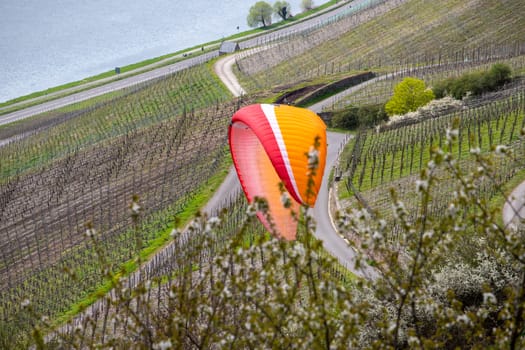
{"x": 261, "y": 12}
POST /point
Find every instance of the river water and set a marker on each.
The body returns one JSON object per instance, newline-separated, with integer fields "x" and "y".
{"x": 45, "y": 43}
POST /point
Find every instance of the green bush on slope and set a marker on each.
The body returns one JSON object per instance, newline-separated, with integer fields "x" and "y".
{"x": 475, "y": 83}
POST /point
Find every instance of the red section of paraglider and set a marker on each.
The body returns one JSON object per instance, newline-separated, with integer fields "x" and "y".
{"x": 255, "y": 119}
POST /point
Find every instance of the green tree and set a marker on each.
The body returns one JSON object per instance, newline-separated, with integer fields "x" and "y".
{"x": 282, "y": 9}
{"x": 307, "y": 5}
{"x": 260, "y": 13}
{"x": 409, "y": 95}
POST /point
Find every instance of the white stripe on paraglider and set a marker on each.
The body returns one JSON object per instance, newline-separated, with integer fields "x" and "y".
{"x": 269, "y": 112}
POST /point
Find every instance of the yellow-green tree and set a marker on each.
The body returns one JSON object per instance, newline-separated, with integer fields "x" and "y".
{"x": 282, "y": 9}
{"x": 260, "y": 13}
{"x": 307, "y": 5}
{"x": 409, "y": 95}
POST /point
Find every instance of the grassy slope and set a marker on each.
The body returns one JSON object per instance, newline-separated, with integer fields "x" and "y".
{"x": 394, "y": 158}
{"x": 381, "y": 91}
{"x": 135, "y": 142}
{"x": 192, "y": 89}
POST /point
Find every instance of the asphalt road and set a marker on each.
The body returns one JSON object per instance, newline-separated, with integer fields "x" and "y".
{"x": 106, "y": 88}
{"x": 325, "y": 230}
{"x": 333, "y": 242}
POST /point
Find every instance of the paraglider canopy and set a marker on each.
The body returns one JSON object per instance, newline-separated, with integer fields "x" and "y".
{"x": 273, "y": 144}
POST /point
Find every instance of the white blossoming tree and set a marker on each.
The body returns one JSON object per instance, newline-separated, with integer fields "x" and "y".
{"x": 231, "y": 286}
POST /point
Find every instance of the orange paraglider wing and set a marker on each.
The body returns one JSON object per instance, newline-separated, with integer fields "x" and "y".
{"x": 272, "y": 144}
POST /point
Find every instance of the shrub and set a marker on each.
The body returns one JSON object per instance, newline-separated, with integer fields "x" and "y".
{"x": 224, "y": 293}
{"x": 409, "y": 95}
{"x": 475, "y": 83}
{"x": 441, "y": 88}
{"x": 498, "y": 75}
{"x": 359, "y": 116}
{"x": 345, "y": 119}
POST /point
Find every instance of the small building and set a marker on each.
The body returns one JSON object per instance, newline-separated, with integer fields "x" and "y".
{"x": 228, "y": 47}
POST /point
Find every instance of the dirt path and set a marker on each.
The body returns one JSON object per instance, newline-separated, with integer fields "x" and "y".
{"x": 223, "y": 69}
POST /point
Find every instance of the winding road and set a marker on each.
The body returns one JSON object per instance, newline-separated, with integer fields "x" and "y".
{"x": 325, "y": 231}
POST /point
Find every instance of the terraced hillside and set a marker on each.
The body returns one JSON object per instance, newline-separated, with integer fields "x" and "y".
{"x": 161, "y": 141}
{"x": 379, "y": 92}
{"x": 164, "y": 141}
{"x": 391, "y": 36}
{"x": 395, "y": 156}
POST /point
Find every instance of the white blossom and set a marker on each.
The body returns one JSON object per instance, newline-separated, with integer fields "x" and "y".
{"x": 163, "y": 345}
{"x": 135, "y": 208}
{"x": 399, "y": 209}
{"x": 195, "y": 225}
{"x": 174, "y": 233}
{"x": 459, "y": 228}
{"x": 421, "y": 185}
{"x": 377, "y": 236}
{"x": 428, "y": 234}
{"x": 452, "y": 134}
{"x": 463, "y": 319}
{"x": 432, "y": 109}
{"x": 475, "y": 150}
{"x": 299, "y": 249}
{"x": 251, "y": 210}
{"x": 501, "y": 149}
{"x": 313, "y": 158}
{"x": 392, "y": 327}
{"x": 90, "y": 232}
{"x": 214, "y": 221}
{"x": 413, "y": 341}
{"x": 285, "y": 200}
{"x": 489, "y": 298}
{"x": 452, "y": 209}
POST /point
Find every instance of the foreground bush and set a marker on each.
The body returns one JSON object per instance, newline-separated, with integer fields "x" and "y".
{"x": 455, "y": 280}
